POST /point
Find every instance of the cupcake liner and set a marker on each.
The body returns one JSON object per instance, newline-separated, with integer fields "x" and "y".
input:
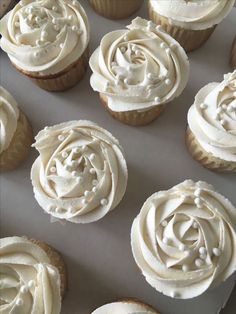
{"x": 57, "y": 261}
{"x": 206, "y": 159}
{"x": 61, "y": 81}
{"x": 19, "y": 147}
{"x": 233, "y": 55}
{"x": 134, "y": 118}
{"x": 116, "y": 9}
{"x": 188, "y": 39}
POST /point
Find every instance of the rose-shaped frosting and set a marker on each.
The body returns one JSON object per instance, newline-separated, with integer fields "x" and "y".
{"x": 212, "y": 118}
{"x": 28, "y": 283}
{"x": 124, "y": 307}
{"x": 81, "y": 173}
{"x": 139, "y": 67}
{"x": 45, "y": 36}
{"x": 9, "y": 114}
{"x": 184, "y": 239}
{"x": 193, "y": 14}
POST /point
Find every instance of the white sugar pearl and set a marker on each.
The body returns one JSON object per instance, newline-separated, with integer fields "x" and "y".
{"x": 185, "y": 268}
{"x": 92, "y": 171}
{"x": 84, "y": 201}
{"x": 150, "y": 76}
{"x": 94, "y": 189}
{"x": 61, "y": 46}
{"x": 36, "y": 54}
{"x": 182, "y": 247}
{"x": 44, "y": 34}
{"x": 64, "y": 154}
{"x": 199, "y": 262}
{"x": 38, "y": 41}
{"x": 168, "y": 51}
{"x": 104, "y": 202}
{"x": 167, "y": 81}
{"x": 70, "y": 17}
{"x": 56, "y": 27}
{"x": 19, "y": 302}
{"x": 92, "y": 157}
{"x": 31, "y": 284}
{"x": 224, "y": 106}
{"x": 219, "y": 110}
{"x": 123, "y": 49}
{"x": 79, "y": 180}
{"x": 53, "y": 169}
{"x": 222, "y": 122}
{"x": 74, "y": 2}
{"x": 202, "y": 250}
{"x": 61, "y": 138}
{"x": 74, "y": 28}
{"x": 86, "y": 193}
{"x": 173, "y": 294}
{"x": 203, "y": 106}
{"x": 157, "y": 99}
{"x": 197, "y": 192}
{"x": 24, "y": 289}
{"x": 195, "y": 225}
{"x": 95, "y": 182}
{"x": 54, "y": 8}
{"x": 216, "y": 251}
{"x": 164, "y": 223}
{"x": 163, "y": 45}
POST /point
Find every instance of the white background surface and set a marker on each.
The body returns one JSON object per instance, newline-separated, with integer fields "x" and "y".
{"x": 99, "y": 259}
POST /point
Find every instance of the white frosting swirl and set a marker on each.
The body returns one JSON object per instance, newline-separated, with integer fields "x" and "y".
{"x": 139, "y": 67}
{"x": 124, "y": 307}
{"x": 81, "y": 173}
{"x": 193, "y": 14}
{"x": 184, "y": 239}
{"x": 9, "y": 114}
{"x": 28, "y": 283}
{"x": 212, "y": 118}
{"x": 45, "y": 36}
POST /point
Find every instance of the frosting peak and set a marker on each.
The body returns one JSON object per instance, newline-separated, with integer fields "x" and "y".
{"x": 139, "y": 67}
{"x": 28, "y": 283}
{"x": 45, "y": 35}
{"x": 212, "y": 118}
{"x": 81, "y": 173}
{"x": 184, "y": 239}
{"x": 193, "y": 14}
{"x": 9, "y": 114}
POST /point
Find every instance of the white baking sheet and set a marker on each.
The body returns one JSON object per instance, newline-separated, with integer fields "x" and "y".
{"x": 98, "y": 256}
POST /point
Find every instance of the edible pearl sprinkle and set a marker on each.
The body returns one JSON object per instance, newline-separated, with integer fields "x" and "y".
{"x": 92, "y": 171}
{"x": 185, "y": 268}
{"x": 168, "y": 50}
{"x": 163, "y": 45}
{"x": 64, "y": 154}
{"x": 222, "y": 122}
{"x": 61, "y": 138}
{"x": 167, "y": 81}
{"x": 198, "y": 202}
{"x": 199, "y": 262}
{"x": 92, "y": 157}
{"x": 202, "y": 250}
{"x": 44, "y": 34}
{"x": 157, "y": 99}
{"x": 53, "y": 169}
{"x": 164, "y": 223}
{"x": 104, "y": 202}
{"x": 86, "y": 193}
{"x": 123, "y": 49}
{"x": 24, "y": 289}
{"x": 94, "y": 189}
{"x": 19, "y": 302}
{"x": 31, "y": 284}
{"x": 84, "y": 202}
{"x": 61, "y": 46}
{"x": 203, "y": 106}
{"x": 195, "y": 225}
{"x": 54, "y": 8}
{"x": 216, "y": 251}
{"x": 197, "y": 192}
{"x": 182, "y": 247}
{"x": 79, "y": 180}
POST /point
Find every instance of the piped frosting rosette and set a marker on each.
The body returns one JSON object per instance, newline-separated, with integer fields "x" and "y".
{"x": 139, "y": 67}
{"x": 81, "y": 173}
{"x": 184, "y": 239}
{"x": 194, "y": 14}
{"x": 45, "y": 36}
{"x": 28, "y": 283}
{"x": 212, "y": 118}
{"x": 9, "y": 114}
{"x": 125, "y": 307}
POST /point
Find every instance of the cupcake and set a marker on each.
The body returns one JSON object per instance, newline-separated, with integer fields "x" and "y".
{"x": 192, "y": 22}
{"x": 5, "y": 6}
{"x": 116, "y": 9}
{"x": 33, "y": 277}
{"x": 233, "y": 55}
{"x": 16, "y": 133}
{"x": 211, "y": 131}
{"x": 127, "y": 306}
{"x": 137, "y": 71}
{"x": 184, "y": 240}
{"x": 47, "y": 41}
{"x": 80, "y": 174}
